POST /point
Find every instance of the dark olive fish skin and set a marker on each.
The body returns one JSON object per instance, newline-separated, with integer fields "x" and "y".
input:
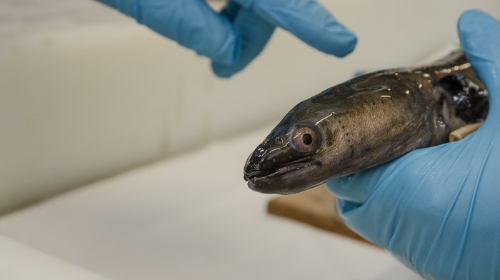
{"x": 367, "y": 121}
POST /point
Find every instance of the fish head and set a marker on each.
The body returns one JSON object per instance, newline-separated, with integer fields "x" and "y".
{"x": 287, "y": 160}
{"x": 343, "y": 130}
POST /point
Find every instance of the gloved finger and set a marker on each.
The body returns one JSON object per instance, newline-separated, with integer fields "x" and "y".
{"x": 307, "y": 20}
{"x": 192, "y": 23}
{"x": 354, "y": 188}
{"x": 358, "y": 187}
{"x": 480, "y": 39}
{"x": 353, "y": 193}
{"x": 254, "y": 34}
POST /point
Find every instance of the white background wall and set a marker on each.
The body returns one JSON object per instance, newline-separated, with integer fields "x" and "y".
{"x": 86, "y": 92}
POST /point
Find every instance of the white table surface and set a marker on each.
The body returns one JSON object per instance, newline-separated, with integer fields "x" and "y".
{"x": 190, "y": 217}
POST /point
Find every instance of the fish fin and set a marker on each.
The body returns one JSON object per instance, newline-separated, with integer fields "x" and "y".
{"x": 470, "y": 99}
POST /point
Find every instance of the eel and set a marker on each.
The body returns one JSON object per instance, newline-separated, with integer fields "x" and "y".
{"x": 367, "y": 121}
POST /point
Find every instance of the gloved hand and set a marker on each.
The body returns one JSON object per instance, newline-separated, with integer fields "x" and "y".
{"x": 438, "y": 209}
{"x": 235, "y": 36}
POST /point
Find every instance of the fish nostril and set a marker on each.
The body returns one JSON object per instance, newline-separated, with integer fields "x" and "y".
{"x": 259, "y": 152}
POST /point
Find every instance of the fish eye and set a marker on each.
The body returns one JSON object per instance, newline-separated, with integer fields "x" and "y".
{"x": 307, "y": 139}
{"x": 304, "y": 138}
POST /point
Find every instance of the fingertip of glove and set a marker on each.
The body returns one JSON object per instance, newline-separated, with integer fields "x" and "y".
{"x": 475, "y": 23}
{"x": 469, "y": 17}
{"x": 223, "y": 71}
{"x": 339, "y": 43}
{"x": 349, "y": 44}
{"x": 466, "y": 19}
{"x": 480, "y": 36}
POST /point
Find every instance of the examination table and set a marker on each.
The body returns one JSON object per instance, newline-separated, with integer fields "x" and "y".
{"x": 188, "y": 217}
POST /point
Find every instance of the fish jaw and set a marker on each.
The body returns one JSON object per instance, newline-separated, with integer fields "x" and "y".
{"x": 280, "y": 170}
{"x": 286, "y": 180}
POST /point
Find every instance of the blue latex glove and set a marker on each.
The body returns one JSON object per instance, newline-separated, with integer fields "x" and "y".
{"x": 236, "y": 35}
{"x": 438, "y": 209}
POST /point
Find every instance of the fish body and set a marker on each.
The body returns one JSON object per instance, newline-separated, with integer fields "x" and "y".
{"x": 367, "y": 121}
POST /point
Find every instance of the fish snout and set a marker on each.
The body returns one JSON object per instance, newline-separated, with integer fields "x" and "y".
{"x": 255, "y": 166}
{"x": 261, "y": 162}
{"x": 252, "y": 166}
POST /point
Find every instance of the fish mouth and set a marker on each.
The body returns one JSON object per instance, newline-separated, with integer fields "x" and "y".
{"x": 276, "y": 180}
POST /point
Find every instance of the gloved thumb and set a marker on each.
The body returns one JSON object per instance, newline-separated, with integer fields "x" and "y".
{"x": 358, "y": 187}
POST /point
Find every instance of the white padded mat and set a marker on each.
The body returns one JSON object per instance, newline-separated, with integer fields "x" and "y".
{"x": 191, "y": 217}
